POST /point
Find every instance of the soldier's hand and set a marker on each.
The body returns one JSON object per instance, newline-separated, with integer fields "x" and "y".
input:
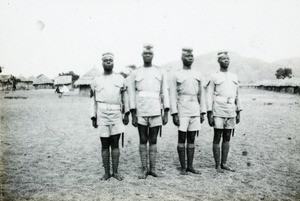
{"x": 201, "y": 118}
{"x": 94, "y": 122}
{"x": 176, "y": 120}
{"x": 126, "y": 119}
{"x": 165, "y": 118}
{"x": 238, "y": 117}
{"x": 210, "y": 119}
{"x": 134, "y": 121}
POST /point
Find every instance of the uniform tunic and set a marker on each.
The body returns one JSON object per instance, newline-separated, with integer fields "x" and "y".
{"x": 108, "y": 98}
{"x": 147, "y": 86}
{"x": 222, "y": 95}
{"x": 187, "y": 94}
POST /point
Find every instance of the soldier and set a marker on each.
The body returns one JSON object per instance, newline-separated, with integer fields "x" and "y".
{"x": 147, "y": 87}
{"x": 187, "y": 108}
{"x": 223, "y": 109}
{"x": 106, "y": 112}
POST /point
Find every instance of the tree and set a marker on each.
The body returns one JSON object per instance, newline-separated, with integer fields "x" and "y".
{"x": 74, "y": 76}
{"x": 282, "y": 73}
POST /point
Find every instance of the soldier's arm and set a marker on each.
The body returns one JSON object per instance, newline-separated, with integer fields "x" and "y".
{"x": 131, "y": 92}
{"x": 238, "y": 101}
{"x": 93, "y": 100}
{"x": 125, "y": 100}
{"x": 165, "y": 92}
{"x": 202, "y": 97}
{"x": 173, "y": 95}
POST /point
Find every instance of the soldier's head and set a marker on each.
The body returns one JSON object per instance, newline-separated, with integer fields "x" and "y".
{"x": 223, "y": 59}
{"x": 147, "y": 53}
{"x": 187, "y": 57}
{"x": 108, "y": 61}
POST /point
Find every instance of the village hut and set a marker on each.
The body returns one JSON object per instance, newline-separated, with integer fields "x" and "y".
{"x": 84, "y": 81}
{"x": 5, "y": 83}
{"x": 64, "y": 80}
{"x": 24, "y": 83}
{"x": 43, "y": 82}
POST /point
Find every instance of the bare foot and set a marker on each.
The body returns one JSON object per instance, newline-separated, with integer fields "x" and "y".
{"x": 183, "y": 171}
{"x": 118, "y": 176}
{"x": 219, "y": 170}
{"x": 225, "y": 167}
{"x": 143, "y": 174}
{"x": 192, "y": 170}
{"x": 106, "y": 177}
{"x": 154, "y": 173}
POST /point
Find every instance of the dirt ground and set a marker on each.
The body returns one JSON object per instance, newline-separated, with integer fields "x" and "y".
{"x": 50, "y": 151}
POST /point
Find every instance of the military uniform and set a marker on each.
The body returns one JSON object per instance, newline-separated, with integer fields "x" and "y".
{"x": 187, "y": 97}
{"x": 107, "y": 103}
{"x": 223, "y": 99}
{"x": 223, "y": 105}
{"x": 146, "y": 87}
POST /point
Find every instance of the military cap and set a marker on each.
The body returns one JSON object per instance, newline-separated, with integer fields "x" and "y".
{"x": 106, "y": 55}
{"x": 187, "y": 50}
{"x": 147, "y": 48}
{"x": 222, "y": 53}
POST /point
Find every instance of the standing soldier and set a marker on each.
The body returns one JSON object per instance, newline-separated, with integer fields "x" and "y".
{"x": 187, "y": 108}
{"x": 223, "y": 109}
{"x": 106, "y": 112}
{"x": 146, "y": 88}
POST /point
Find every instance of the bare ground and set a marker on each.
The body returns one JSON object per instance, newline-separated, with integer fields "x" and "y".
{"x": 50, "y": 151}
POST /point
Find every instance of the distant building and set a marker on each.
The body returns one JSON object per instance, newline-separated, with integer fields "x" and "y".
{"x": 64, "y": 80}
{"x": 5, "y": 83}
{"x": 43, "y": 82}
{"x": 84, "y": 81}
{"x": 24, "y": 83}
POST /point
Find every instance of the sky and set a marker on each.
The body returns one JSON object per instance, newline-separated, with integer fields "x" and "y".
{"x": 53, "y": 36}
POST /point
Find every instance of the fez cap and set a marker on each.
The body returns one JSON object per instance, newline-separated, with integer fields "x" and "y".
{"x": 187, "y": 50}
{"x": 147, "y": 48}
{"x": 222, "y": 53}
{"x": 106, "y": 55}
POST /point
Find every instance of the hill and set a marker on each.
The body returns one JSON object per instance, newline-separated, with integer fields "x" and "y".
{"x": 249, "y": 69}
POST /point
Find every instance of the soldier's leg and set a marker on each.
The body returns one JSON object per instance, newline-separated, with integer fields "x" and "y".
{"x": 144, "y": 136}
{"x": 216, "y": 148}
{"x": 181, "y": 151}
{"x": 225, "y": 149}
{"x": 115, "y": 155}
{"x": 191, "y": 151}
{"x": 105, "y": 142}
{"x": 153, "y": 132}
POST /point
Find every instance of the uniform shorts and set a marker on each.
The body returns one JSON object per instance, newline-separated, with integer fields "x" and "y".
{"x": 224, "y": 122}
{"x": 189, "y": 124}
{"x": 152, "y": 121}
{"x": 108, "y": 130}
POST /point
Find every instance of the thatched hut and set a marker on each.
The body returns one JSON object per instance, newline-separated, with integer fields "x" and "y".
{"x": 84, "y": 81}
{"x": 24, "y": 83}
{"x": 64, "y": 80}
{"x": 5, "y": 82}
{"x": 43, "y": 82}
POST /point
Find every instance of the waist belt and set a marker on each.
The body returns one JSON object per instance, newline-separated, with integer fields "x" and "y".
{"x": 228, "y": 100}
{"x": 149, "y": 94}
{"x": 108, "y": 106}
{"x": 190, "y": 98}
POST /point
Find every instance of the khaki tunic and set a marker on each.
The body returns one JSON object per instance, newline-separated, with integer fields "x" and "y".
{"x": 148, "y": 91}
{"x": 222, "y": 95}
{"x": 107, "y": 101}
{"x": 187, "y": 94}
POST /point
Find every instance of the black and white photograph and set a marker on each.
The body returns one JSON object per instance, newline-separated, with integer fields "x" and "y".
{"x": 149, "y": 100}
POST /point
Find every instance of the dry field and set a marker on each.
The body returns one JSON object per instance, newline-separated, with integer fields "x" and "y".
{"x": 50, "y": 151}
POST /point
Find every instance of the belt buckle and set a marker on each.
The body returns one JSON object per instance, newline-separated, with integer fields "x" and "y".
{"x": 229, "y": 100}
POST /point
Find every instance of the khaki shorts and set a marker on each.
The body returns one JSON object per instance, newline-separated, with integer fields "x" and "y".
{"x": 224, "y": 122}
{"x": 108, "y": 130}
{"x": 189, "y": 124}
{"x": 150, "y": 121}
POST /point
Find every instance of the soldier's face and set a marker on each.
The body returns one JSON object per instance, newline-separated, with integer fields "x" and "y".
{"x": 147, "y": 56}
{"x": 224, "y": 61}
{"x": 187, "y": 59}
{"x": 108, "y": 63}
